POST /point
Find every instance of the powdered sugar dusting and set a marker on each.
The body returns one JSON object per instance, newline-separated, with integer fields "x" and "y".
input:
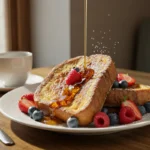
{"x": 100, "y": 45}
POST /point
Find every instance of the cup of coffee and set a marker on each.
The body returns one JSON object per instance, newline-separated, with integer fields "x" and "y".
{"x": 15, "y": 67}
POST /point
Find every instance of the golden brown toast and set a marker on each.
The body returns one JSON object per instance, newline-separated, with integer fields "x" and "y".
{"x": 92, "y": 95}
{"x": 139, "y": 93}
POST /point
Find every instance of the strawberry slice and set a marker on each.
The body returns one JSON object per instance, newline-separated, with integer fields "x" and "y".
{"x": 29, "y": 96}
{"x": 131, "y": 81}
{"x": 132, "y": 105}
{"x": 73, "y": 77}
{"x": 24, "y": 105}
{"x": 126, "y": 115}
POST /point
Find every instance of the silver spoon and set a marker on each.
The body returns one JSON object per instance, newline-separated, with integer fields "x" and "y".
{"x": 5, "y": 138}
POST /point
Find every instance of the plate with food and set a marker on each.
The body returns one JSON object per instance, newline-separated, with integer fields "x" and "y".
{"x": 81, "y": 100}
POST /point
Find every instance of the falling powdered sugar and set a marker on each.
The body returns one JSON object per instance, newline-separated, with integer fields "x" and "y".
{"x": 102, "y": 47}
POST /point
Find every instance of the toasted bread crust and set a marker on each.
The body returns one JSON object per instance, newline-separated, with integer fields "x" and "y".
{"x": 139, "y": 95}
{"x": 97, "y": 101}
{"x": 92, "y": 95}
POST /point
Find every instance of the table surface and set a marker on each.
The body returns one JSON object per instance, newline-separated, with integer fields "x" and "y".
{"x": 27, "y": 138}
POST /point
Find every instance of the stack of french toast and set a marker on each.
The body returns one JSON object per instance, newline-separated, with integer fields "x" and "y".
{"x": 91, "y": 96}
{"x": 71, "y": 90}
{"x": 139, "y": 93}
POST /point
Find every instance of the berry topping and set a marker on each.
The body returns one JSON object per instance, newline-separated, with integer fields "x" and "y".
{"x": 114, "y": 119}
{"x": 31, "y": 110}
{"x": 142, "y": 110}
{"x": 105, "y": 110}
{"x": 37, "y": 115}
{"x": 101, "y": 120}
{"x": 28, "y": 97}
{"x": 24, "y": 105}
{"x": 126, "y": 77}
{"x": 72, "y": 122}
{"x": 115, "y": 84}
{"x": 126, "y": 115}
{"x": 123, "y": 84}
{"x": 73, "y": 77}
{"x": 147, "y": 107}
{"x": 133, "y": 106}
{"x": 76, "y": 68}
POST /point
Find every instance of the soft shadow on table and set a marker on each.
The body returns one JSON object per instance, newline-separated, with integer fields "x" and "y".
{"x": 46, "y": 139}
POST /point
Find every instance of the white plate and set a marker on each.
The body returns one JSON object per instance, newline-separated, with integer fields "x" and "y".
{"x": 32, "y": 79}
{"x": 9, "y": 107}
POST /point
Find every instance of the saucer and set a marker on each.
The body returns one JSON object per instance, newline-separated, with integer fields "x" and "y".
{"x": 32, "y": 79}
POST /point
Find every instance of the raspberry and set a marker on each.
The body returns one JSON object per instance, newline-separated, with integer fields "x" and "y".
{"x": 126, "y": 115}
{"x": 101, "y": 120}
{"x": 73, "y": 77}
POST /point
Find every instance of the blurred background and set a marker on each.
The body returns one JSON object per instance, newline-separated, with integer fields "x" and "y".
{"x": 53, "y": 30}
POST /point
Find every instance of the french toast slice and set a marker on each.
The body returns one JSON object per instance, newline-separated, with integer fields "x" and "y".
{"x": 92, "y": 95}
{"x": 139, "y": 93}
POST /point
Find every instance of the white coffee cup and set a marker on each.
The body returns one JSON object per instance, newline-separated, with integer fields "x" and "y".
{"x": 15, "y": 67}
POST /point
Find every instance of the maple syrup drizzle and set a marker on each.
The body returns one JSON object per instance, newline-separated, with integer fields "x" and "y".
{"x": 70, "y": 94}
{"x": 51, "y": 120}
{"x": 85, "y": 32}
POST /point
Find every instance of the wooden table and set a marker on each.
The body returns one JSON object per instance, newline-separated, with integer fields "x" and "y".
{"x": 27, "y": 138}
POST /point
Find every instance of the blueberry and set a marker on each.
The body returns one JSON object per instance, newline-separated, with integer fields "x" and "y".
{"x": 115, "y": 84}
{"x": 31, "y": 110}
{"x": 114, "y": 119}
{"x": 105, "y": 110}
{"x": 72, "y": 122}
{"x": 37, "y": 115}
{"x": 76, "y": 68}
{"x": 147, "y": 107}
{"x": 123, "y": 84}
{"x": 142, "y": 110}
